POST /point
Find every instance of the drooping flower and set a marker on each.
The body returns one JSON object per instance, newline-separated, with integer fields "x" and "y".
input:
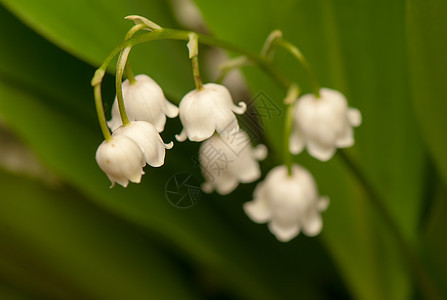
{"x": 323, "y": 124}
{"x": 226, "y": 161}
{"x": 121, "y": 159}
{"x": 205, "y": 111}
{"x": 289, "y": 204}
{"x": 149, "y": 140}
{"x": 144, "y": 101}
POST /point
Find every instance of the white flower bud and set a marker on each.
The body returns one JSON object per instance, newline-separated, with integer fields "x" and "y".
{"x": 121, "y": 159}
{"x": 149, "y": 140}
{"x": 144, "y": 101}
{"x": 324, "y": 124}
{"x": 226, "y": 161}
{"x": 206, "y": 111}
{"x": 289, "y": 204}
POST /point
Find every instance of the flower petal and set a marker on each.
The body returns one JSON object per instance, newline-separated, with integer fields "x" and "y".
{"x": 354, "y": 117}
{"x": 347, "y": 139}
{"x": 240, "y": 108}
{"x": 170, "y": 109}
{"x": 115, "y": 122}
{"x": 284, "y": 233}
{"x": 182, "y": 136}
{"x": 296, "y": 142}
{"x": 312, "y": 224}
{"x": 323, "y": 203}
{"x": 257, "y": 209}
{"x": 320, "y": 152}
{"x": 260, "y": 152}
{"x": 225, "y": 183}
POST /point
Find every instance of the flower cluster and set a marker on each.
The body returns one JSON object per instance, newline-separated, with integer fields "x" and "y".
{"x": 288, "y": 198}
{"x": 137, "y": 143}
{"x": 202, "y": 112}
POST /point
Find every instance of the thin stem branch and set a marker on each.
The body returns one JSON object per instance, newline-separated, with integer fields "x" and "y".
{"x": 100, "y": 112}
{"x": 289, "y": 101}
{"x": 120, "y": 66}
{"x": 193, "y": 48}
{"x": 129, "y": 74}
{"x": 196, "y": 73}
{"x": 302, "y": 60}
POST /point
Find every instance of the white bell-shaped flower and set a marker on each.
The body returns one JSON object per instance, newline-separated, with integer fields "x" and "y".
{"x": 205, "y": 111}
{"x": 149, "y": 140}
{"x": 144, "y": 101}
{"x": 289, "y": 204}
{"x": 121, "y": 159}
{"x": 226, "y": 161}
{"x": 323, "y": 124}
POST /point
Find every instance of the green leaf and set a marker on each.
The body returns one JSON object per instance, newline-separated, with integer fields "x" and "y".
{"x": 69, "y": 252}
{"x": 91, "y": 29}
{"x": 426, "y": 32}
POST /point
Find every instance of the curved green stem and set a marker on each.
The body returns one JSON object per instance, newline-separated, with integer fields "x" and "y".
{"x": 289, "y": 101}
{"x": 193, "y": 48}
{"x": 100, "y": 112}
{"x": 288, "y": 122}
{"x": 173, "y": 34}
{"x": 120, "y": 66}
{"x": 300, "y": 57}
{"x": 230, "y": 65}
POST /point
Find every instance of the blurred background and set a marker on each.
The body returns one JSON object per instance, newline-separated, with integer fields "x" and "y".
{"x": 65, "y": 235}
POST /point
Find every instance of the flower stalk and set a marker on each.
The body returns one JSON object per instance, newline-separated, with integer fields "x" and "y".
{"x": 289, "y": 101}
{"x": 302, "y": 60}
{"x": 193, "y": 48}
{"x": 100, "y": 112}
{"x": 120, "y": 66}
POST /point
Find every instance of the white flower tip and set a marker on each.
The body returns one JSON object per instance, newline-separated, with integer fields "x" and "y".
{"x": 321, "y": 153}
{"x": 296, "y": 143}
{"x": 257, "y": 212}
{"x": 207, "y": 187}
{"x": 240, "y": 108}
{"x": 260, "y": 152}
{"x": 313, "y": 226}
{"x": 136, "y": 178}
{"x": 170, "y": 145}
{"x": 355, "y": 117}
{"x": 282, "y": 233}
{"x": 323, "y": 204}
{"x": 182, "y": 136}
{"x": 226, "y": 185}
{"x": 171, "y": 110}
{"x": 139, "y": 19}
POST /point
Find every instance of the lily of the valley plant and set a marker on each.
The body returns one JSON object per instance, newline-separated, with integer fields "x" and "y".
{"x": 288, "y": 198}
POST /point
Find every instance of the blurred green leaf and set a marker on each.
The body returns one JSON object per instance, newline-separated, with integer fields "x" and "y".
{"x": 427, "y": 45}
{"x": 56, "y": 228}
{"x": 91, "y": 29}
